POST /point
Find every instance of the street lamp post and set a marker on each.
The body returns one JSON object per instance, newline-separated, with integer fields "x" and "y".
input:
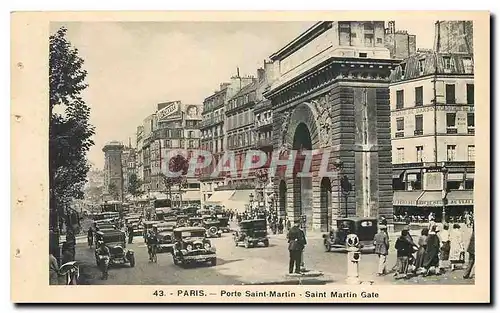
{"x": 346, "y": 187}
{"x": 444, "y": 192}
{"x": 251, "y": 202}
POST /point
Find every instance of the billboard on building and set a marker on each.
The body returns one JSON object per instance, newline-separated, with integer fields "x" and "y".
{"x": 169, "y": 110}
{"x": 193, "y": 112}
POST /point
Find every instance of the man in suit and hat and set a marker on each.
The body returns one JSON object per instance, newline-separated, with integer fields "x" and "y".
{"x": 381, "y": 241}
{"x": 296, "y": 243}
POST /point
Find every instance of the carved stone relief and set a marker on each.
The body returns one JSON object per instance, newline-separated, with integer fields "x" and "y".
{"x": 324, "y": 120}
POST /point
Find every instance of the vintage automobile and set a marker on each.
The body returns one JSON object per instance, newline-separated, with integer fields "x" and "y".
{"x": 192, "y": 246}
{"x": 364, "y": 227}
{"x": 115, "y": 241}
{"x": 211, "y": 224}
{"x": 223, "y": 221}
{"x": 165, "y": 233}
{"x": 251, "y": 233}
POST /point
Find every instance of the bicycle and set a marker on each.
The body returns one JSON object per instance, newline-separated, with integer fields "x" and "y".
{"x": 153, "y": 257}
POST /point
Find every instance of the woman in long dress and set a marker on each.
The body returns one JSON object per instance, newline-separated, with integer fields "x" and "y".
{"x": 431, "y": 256}
{"x": 457, "y": 246}
{"x": 422, "y": 244}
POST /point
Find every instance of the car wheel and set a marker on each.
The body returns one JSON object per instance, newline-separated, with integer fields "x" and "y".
{"x": 213, "y": 262}
{"x": 213, "y": 231}
{"x": 328, "y": 247}
{"x": 266, "y": 243}
{"x": 132, "y": 260}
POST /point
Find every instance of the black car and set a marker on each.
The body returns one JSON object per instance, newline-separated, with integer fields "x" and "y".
{"x": 252, "y": 233}
{"x": 115, "y": 241}
{"x": 364, "y": 227}
{"x": 165, "y": 234}
{"x": 192, "y": 246}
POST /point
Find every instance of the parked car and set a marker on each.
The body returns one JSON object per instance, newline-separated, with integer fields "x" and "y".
{"x": 364, "y": 227}
{"x": 192, "y": 246}
{"x": 251, "y": 233}
{"x": 116, "y": 243}
{"x": 165, "y": 233}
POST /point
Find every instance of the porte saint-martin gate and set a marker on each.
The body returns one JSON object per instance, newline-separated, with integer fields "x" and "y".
{"x": 331, "y": 92}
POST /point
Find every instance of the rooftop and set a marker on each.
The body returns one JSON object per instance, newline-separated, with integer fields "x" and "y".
{"x": 428, "y": 62}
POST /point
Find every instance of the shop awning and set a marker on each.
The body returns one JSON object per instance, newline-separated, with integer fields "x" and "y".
{"x": 219, "y": 197}
{"x": 430, "y": 199}
{"x": 237, "y": 206}
{"x": 191, "y": 195}
{"x": 397, "y": 174}
{"x": 242, "y": 195}
{"x": 455, "y": 176}
{"x": 460, "y": 197}
{"x": 405, "y": 198}
{"x": 414, "y": 171}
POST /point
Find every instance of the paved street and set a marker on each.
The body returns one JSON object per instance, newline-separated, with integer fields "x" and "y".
{"x": 237, "y": 265}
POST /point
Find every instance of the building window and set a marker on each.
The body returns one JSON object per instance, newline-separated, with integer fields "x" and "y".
{"x": 353, "y": 35}
{"x": 451, "y": 152}
{"x": 403, "y": 70}
{"x": 470, "y": 94}
{"x": 400, "y": 155}
{"x": 168, "y": 144}
{"x": 468, "y": 66}
{"x": 420, "y": 153}
{"x": 400, "y": 99}
{"x": 400, "y": 123}
{"x": 447, "y": 63}
{"x": 470, "y": 124}
{"x": 368, "y": 26}
{"x": 419, "y": 125}
{"x": 419, "y": 96}
{"x": 471, "y": 153}
{"x": 451, "y": 123}
{"x": 191, "y": 144}
{"x": 190, "y": 134}
{"x": 450, "y": 94}
{"x": 421, "y": 66}
{"x": 379, "y": 40}
{"x": 400, "y": 127}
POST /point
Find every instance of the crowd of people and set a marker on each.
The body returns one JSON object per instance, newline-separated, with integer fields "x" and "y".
{"x": 437, "y": 250}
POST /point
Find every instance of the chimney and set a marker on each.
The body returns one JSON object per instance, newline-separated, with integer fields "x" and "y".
{"x": 392, "y": 27}
{"x": 224, "y": 85}
{"x": 261, "y": 74}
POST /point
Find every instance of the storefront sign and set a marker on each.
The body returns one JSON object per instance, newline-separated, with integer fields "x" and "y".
{"x": 461, "y": 202}
{"x": 430, "y": 108}
{"x": 433, "y": 181}
{"x": 167, "y": 111}
{"x": 404, "y": 202}
{"x": 430, "y": 203}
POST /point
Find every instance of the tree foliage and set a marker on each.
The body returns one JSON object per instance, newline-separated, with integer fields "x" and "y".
{"x": 177, "y": 164}
{"x": 70, "y": 133}
{"x": 134, "y": 185}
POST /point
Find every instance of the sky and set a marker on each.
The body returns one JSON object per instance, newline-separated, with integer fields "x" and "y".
{"x": 132, "y": 66}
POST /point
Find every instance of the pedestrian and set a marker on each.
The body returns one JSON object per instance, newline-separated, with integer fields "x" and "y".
{"x": 472, "y": 256}
{"x": 381, "y": 242}
{"x": 90, "y": 237}
{"x": 431, "y": 256}
{"x": 130, "y": 233}
{"x": 457, "y": 247}
{"x": 53, "y": 270}
{"x": 288, "y": 225}
{"x": 296, "y": 243}
{"x": 280, "y": 226}
{"x": 445, "y": 248}
{"x": 403, "y": 250}
{"x": 422, "y": 244}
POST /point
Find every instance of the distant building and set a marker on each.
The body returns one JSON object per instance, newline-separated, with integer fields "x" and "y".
{"x": 113, "y": 171}
{"x": 433, "y": 126}
{"x": 400, "y": 44}
{"x": 454, "y": 37}
{"x": 213, "y": 130}
{"x": 128, "y": 165}
{"x": 139, "y": 158}
{"x": 172, "y": 129}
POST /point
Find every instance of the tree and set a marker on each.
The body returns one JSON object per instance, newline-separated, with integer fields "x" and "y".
{"x": 177, "y": 164}
{"x": 69, "y": 129}
{"x": 134, "y": 185}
